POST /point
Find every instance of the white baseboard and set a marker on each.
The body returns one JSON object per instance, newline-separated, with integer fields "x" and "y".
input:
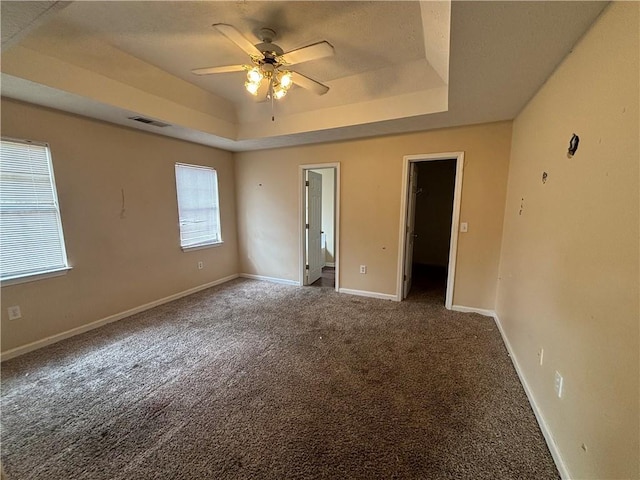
{"x": 363, "y": 293}
{"x": 481, "y": 311}
{"x": 269, "y": 279}
{"x": 546, "y": 432}
{"x": 15, "y": 352}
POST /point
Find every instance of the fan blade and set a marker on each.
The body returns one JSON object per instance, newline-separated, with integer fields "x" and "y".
{"x": 236, "y": 37}
{"x": 309, "y": 83}
{"x": 310, "y": 52}
{"x": 223, "y": 69}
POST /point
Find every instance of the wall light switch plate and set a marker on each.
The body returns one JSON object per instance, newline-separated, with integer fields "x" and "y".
{"x": 464, "y": 227}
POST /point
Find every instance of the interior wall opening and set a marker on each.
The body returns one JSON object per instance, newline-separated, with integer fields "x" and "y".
{"x": 319, "y": 238}
{"x": 432, "y": 229}
{"x": 432, "y": 187}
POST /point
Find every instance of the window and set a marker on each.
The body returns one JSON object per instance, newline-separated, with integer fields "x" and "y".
{"x": 198, "y": 210}
{"x": 31, "y": 239}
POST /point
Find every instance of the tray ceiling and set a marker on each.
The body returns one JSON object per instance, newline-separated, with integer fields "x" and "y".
{"x": 398, "y": 66}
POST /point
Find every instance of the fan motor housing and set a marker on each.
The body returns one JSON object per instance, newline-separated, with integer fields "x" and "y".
{"x": 269, "y": 49}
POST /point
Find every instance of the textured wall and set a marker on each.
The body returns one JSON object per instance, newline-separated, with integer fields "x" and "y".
{"x": 371, "y": 183}
{"x": 569, "y": 263}
{"x": 118, "y": 263}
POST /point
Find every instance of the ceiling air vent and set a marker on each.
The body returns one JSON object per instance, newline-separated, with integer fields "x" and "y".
{"x": 148, "y": 121}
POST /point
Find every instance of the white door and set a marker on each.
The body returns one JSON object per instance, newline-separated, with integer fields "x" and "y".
{"x": 314, "y": 227}
{"x": 410, "y": 223}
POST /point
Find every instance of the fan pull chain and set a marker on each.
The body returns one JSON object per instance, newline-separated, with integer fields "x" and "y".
{"x": 273, "y": 116}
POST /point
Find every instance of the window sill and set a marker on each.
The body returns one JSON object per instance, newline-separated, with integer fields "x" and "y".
{"x": 202, "y": 246}
{"x": 34, "y": 277}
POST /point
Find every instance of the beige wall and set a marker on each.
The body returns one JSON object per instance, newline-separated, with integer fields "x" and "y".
{"x": 118, "y": 263}
{"x": 371, "y": 171}
{"x": 569, "y": 263}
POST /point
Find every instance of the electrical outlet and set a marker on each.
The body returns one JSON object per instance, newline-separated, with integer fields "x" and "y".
{"x": 559, "y": 384}
{"x": 14, "y": 312}
{"x": 200, "y": 265}
{"x": 464, "y": 227}
{"x": 541, "y": 356}
{"x": 363, "y": 269}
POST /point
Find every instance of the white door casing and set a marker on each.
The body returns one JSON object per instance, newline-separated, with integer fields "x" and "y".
{"x": 302, "y": 217}
{"x": 455, "y": 220}
{"x": 410, "y": 228}
{"x": 314, "y": 227}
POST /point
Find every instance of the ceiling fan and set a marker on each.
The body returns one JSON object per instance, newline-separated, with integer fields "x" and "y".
{"x": 268, "y": 75}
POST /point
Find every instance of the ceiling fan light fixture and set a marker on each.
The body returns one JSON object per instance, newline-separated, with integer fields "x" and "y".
{"x": 254, "y": 75}
{"x": 282, "y": 82}
{"x": 285, "y": 79}
{"x": 278, "y": 93}
{"x": 267, "y": 74}
{"x": 252, "y": 87}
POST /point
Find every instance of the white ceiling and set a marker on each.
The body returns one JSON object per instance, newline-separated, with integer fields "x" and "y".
{"x": 398, "y": 66}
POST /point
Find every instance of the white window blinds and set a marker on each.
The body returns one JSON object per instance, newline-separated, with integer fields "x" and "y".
{"x": 198, "y": 210}
{"x": 31, "y": 239}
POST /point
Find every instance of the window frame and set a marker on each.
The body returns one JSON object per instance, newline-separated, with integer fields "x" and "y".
{"x": 44, "y": 272}
{"x": 209, "y": 243}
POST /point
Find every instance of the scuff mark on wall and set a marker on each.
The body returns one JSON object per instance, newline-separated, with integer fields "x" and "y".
{"x": 122, "y": 210}
{"x": 573, "y": 145}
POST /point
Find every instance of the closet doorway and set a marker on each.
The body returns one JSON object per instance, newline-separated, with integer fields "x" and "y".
{"x": 430, "y": 211}
{"x": 319, "y": 214}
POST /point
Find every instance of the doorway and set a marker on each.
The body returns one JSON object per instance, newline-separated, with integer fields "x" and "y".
{"x": 432, "y": 186}
{"x": 319, "y": 225}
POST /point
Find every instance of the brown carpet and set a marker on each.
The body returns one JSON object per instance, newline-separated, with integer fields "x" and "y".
{"x": 258, "y": 380}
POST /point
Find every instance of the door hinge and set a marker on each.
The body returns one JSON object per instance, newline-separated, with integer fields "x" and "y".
{"x": 306, "y": 184}
{"x": 306, "y": 267}
{"x": 306, "y": 226}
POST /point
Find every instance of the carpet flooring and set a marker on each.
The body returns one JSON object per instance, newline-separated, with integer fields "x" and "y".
{"x": 258, "y": 380}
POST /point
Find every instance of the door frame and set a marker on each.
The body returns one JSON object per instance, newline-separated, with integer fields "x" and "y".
{"x": 302, "y": 205}
{"x": 455, "y": 219}
{"x": 412, "y": 189}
